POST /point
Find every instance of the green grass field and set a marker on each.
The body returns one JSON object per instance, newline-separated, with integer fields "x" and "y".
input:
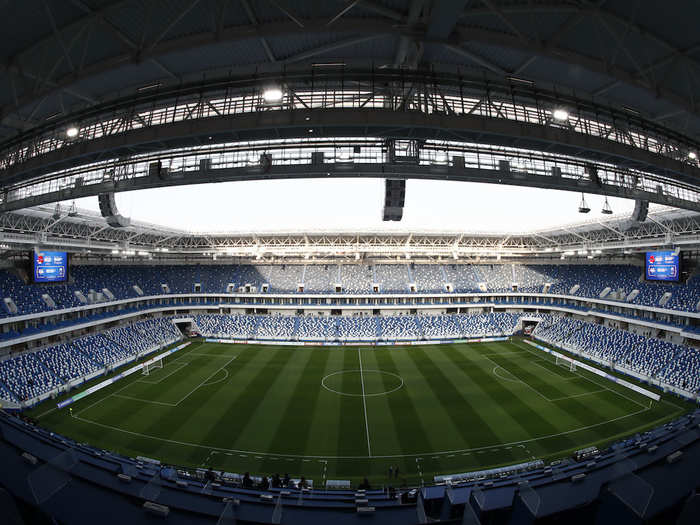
{"x": 347, "y": 412}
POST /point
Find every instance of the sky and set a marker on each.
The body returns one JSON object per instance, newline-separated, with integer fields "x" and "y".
{"x": 355, "y": 205}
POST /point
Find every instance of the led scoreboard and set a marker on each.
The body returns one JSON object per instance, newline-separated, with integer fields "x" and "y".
{"x": 662, "y": 266}
{"x": 50, "y": 267}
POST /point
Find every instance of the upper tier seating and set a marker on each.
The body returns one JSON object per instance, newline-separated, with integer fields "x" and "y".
{"x": 96, "y": 283}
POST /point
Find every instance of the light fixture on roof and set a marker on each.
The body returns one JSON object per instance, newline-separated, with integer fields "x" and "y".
{"x": 693, "y": 156}
{"x": 560, "y": 114}
{"x": 583, "y": 207}
{"x": 273, "y": 94}
{"x": 72, "y": 132}
{"x": 73, "y": 212}
{"x": 607, "y": 210}
{"x": 57, "y": 212}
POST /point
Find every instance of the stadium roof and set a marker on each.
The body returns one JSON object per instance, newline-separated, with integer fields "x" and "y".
{"x": 87, "y": 233}
{"x": 102, "y": 96}
{"x": 59, "y": 55}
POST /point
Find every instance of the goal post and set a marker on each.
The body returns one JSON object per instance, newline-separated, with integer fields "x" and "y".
{"x": 566, "y": 363}
{"x": 151, "y": 366}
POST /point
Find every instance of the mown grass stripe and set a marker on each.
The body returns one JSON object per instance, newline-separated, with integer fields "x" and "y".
{"x": 294, "y": 426}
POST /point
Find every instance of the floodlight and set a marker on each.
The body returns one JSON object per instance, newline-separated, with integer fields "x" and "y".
{"x": 72, "y": 132}
{"x": 560, "y": 114}
{"x": 583, "y": 207}
{"x": 607, "y": 210}
{"x": 692, "y": 155}
{"x": 273, "y": 94}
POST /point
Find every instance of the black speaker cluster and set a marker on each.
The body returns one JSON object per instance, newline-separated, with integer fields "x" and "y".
{"x": 394, "y": 195}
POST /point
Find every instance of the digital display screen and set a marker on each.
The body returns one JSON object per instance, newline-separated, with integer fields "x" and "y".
{"x": 662, "y": 266}
{"x": 50, "y": 267}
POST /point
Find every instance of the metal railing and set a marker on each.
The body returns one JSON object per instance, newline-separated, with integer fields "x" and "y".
{"x": 387, "y": 90}
{"x": 352, "y": 153}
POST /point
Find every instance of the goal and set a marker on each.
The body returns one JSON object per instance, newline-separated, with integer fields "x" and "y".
{"x": 566, "y": 363}
{"x": 146, "y": 370}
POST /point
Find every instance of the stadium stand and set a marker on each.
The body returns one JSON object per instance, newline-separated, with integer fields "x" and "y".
{"x": 27, "y": 376}
{"x": 108, "y": 477}
{"x": 609, "y": 282}
{"x": 667, "y": 362}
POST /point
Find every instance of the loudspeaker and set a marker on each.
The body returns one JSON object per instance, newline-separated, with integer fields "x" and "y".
{"x": 641, "y": 208}
{"x": 108, "y": 209}
{"x": 108, "y": 205}
{"x": 394, "y": 195}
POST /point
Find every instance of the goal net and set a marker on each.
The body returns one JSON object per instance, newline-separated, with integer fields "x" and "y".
{"x": 565, "y": 363}
{"x": 148, "y": 367}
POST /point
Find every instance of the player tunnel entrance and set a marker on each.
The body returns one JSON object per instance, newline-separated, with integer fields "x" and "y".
{"x": 527, "y": 325}
{"x": 186, "y": 326}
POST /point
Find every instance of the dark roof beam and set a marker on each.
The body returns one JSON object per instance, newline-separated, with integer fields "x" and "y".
{"x": 345, "y": 9}
{"x": 443, "y": 18}
{"x": 579, "y": 12}
{"x": 57, "y": 36}
{"x": 172, "y": 24}
{"x": 254, "y": 21}
{"x": 404, "y": 43}
{"x": 524, "y": 65}
{"x": 624, "y": 49}
{"x": 495, "y": 68}
{"x": 328, "y": 47}
{"x": 503, "y": 18}
{"x": 380, "y": 10}
{"x": 96, "y": 15}
{"x": 376, "y": 28}
{"x": 287, "y": 12}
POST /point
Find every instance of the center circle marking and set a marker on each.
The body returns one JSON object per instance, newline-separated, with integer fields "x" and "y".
{"x": 364, "y": 372}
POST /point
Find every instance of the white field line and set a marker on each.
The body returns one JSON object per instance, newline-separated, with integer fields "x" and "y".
{"x": 364, "y": 402}
{"x": 516, "y": 380}
{"x": 596, "y": 383}
{"x": 163, "y": 403}
{"x": 161, "y": 378}
{"x": 207, "y": 379}
{"x": 203, "y": 383}
{"x": 219, "y": 380}
{"x": 523, "y": 382}
{"x": 296, "y": 456}
{"x": 126, "y": 386}
{"x": 579, "y": 395}
{"x": 208, "y": 355}
{"x": 557, "y": 375}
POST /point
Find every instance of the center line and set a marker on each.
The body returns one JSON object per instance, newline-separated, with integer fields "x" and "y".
{"x": 364, "y": 402}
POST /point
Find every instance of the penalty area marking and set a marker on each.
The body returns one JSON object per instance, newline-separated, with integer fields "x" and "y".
{"x": 163, "y": 403}
{"x": 516, "y": 380}
{"x": 218, "y": 380}
{"x": 161, "y": 378}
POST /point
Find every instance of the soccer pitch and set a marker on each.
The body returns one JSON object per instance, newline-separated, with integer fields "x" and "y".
{"x": 350, "y": 412}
